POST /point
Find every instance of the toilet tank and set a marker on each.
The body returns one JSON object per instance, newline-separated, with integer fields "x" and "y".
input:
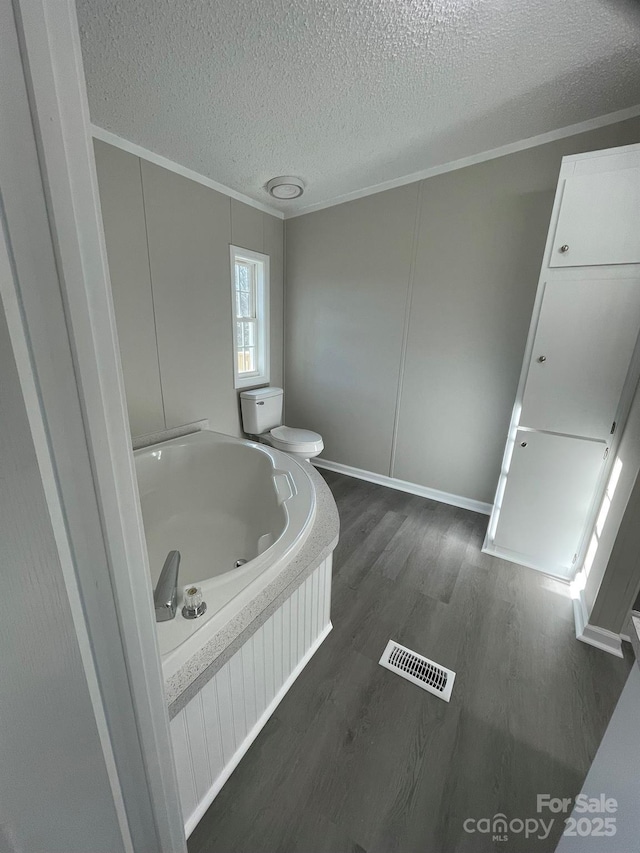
{"x": 261, "y": 409}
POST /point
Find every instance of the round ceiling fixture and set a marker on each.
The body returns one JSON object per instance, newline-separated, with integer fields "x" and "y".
{"x": 285, "y": 187}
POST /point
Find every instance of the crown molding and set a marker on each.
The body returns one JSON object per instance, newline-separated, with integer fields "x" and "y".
{"x": 482, "y": 157}
{"x": 139, "y": 151}
{"x": 451, "y": 166}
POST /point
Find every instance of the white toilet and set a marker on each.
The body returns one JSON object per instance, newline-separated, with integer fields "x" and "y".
{"x": 262, "y": 419}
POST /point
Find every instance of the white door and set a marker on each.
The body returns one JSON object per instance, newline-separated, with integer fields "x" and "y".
{"x": 598, "y": 222}
{"x": 585, "y": 338}
{"x": 547, "y": 497}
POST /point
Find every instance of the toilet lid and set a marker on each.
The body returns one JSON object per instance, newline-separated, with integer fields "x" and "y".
{"x": 301, "y": 439}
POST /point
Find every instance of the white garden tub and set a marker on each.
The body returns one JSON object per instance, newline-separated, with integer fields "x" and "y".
{"x": 218, "y": 500}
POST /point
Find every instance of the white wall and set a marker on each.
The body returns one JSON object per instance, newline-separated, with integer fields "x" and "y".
{"x": 614, "y": 773}
{"x": 441, "y": 394}
{"x": 55, "y": 795}
{"x": 613, "y": 576}
{"x": 168, "y": 246}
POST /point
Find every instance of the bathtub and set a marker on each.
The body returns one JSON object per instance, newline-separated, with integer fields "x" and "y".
{"x": 219, "y": 501}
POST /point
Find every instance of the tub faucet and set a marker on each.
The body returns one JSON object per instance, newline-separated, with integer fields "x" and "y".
{"x": 165, "y": 595}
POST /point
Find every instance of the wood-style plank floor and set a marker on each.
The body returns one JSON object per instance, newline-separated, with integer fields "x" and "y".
{"x": 358, "y": 760}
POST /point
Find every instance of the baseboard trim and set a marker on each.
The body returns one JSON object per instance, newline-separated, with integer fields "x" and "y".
{"x": 592, "y": 635}
{"x": 195, "y": 818}
{"x": 561, "y": 575}
{"x": 404, "y": 486}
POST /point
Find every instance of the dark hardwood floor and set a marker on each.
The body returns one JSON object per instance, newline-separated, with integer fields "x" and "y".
{"x": 357, "y": 759}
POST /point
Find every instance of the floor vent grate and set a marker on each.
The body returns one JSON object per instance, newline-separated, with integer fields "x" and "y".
{"x": 421, "y": 671}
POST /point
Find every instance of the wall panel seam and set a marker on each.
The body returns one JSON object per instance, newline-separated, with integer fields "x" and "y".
{"x": 153, "y": 299}
{"x": 285, "y": 333}
{"x": 405, "y": 330}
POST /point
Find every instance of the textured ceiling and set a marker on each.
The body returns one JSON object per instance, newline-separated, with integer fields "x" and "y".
{"x": 350, "y": 93}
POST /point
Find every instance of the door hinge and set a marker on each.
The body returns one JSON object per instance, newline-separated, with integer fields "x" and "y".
{"x": 575, "y": 557}
{"x": 606, "y": 453}
{"x": 613, "y": 427}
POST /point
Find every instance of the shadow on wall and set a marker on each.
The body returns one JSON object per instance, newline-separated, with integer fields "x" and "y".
{"x": 625, "y": 6}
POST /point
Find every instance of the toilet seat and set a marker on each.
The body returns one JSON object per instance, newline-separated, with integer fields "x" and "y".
{"x": 292, "y": 440}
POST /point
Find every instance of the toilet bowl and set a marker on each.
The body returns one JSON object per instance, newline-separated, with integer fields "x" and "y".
{"x": 297, "y": 442}
{"x": 262, "y": 419}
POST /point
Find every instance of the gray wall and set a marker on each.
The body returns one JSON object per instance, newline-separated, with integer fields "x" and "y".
{"x": 168, "y": 247}
{"x": 471, "y": 280}
{"x": 347, "y": 269}
{"x": 55, "y": 795}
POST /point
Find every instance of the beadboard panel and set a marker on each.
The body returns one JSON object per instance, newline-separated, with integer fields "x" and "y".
{"x": 215, "y": 729}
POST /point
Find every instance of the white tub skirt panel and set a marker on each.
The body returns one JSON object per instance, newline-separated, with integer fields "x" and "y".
{"x": 215, "y": 729}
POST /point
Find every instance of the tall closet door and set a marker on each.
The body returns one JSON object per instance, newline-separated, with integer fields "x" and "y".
{"x": 547, "y": 497}
{"x": 583, "y": 344}
{"x": 580, "y": 367}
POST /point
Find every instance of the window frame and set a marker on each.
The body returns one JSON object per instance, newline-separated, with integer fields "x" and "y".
{"x": 260, "y": 263}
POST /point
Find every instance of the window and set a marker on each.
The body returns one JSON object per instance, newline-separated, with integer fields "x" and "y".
{"x": 250, "y": 298}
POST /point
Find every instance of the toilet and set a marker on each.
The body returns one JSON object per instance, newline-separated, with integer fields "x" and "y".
{"x": 262, "y": 419}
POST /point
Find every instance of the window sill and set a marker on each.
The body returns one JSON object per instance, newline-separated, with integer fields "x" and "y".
{"x": 243, "y": 382}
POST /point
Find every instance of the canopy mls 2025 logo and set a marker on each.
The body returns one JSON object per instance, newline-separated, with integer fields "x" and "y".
{"x": 591, "y": 816}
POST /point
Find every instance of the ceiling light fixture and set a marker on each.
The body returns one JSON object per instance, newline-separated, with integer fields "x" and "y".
{"x": 285, "y": 187}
